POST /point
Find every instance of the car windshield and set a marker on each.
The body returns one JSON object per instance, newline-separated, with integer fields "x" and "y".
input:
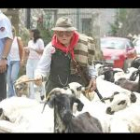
{"x": 112, "y": 44}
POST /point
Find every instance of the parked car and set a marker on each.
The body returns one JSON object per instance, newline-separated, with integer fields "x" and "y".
{"x": 118, "y": 51}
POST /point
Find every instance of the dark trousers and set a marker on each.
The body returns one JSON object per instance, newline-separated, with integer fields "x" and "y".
{"x": 2, "y": 86}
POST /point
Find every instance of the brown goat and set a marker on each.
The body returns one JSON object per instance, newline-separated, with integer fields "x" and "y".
{"x": 127, "y": 84}
{"x": 130, "y": 85}
{"x": 21, "y": 86}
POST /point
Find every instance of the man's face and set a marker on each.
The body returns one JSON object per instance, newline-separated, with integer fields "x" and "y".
{"x": 64, "y": 37}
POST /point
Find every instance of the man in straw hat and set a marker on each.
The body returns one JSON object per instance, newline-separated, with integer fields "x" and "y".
{"x": 57, "y": 64}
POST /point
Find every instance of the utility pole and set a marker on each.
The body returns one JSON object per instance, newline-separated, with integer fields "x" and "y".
{"x": 96, "y": 33}
{"x": 78, "y": 13}
{"x": 28, "y": 18}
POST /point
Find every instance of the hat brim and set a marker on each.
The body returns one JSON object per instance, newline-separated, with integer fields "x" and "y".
{"x": 64, "y": 29}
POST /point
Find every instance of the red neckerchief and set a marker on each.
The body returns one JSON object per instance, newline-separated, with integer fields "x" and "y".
{"x": 70, "y": 48}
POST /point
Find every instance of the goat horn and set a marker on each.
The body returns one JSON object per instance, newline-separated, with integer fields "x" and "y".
{"x": 30, "y": 80}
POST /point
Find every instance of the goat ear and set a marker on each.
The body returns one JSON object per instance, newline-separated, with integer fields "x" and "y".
{"x": 51, "y": 96}
{"x": 1, "y": 111}
{"x": 50, "y": 101}
{"x": 116, "y": 83}
{"x": 133, "y": 98}
{"x": 116, "y": 92}
{"x": 80, "y": 104}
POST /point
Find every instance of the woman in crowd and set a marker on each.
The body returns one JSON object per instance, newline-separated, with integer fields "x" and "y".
{"x": 16, "y": 60}
{"x": 35, "y": 49}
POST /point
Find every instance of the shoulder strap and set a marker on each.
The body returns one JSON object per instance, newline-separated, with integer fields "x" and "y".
{"x": 20, "y": 49}
{"x": 18, "y": 42}
{"x": 81, "y": 72}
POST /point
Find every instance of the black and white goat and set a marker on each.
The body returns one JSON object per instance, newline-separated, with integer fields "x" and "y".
{"x": 65, "y": 122}
{"x": 135, "y": 63}
{"x": 122, "y": 100}
{"x": 107, "y": 71}
{"x": 129, "y": 85}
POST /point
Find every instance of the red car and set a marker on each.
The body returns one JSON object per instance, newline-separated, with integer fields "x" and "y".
{"x": 118, "y": 51}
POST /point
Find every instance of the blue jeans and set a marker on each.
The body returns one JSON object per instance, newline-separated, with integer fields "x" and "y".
{"x": 12, "y": 75}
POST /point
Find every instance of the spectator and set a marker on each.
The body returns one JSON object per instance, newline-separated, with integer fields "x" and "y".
{"x": 5, "y": 45}
{"x": 16, "y": 60}
{"x": 35, "y": 49}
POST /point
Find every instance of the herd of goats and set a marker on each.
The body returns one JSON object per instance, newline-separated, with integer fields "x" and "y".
{"x": 113, "y": 108}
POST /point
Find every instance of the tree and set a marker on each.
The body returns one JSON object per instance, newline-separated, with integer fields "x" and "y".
{"x": 131, "y": 24}
{"x": 120, "y": 17}
{"x": 45, "y": 29}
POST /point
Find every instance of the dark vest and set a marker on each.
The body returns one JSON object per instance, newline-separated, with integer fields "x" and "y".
{"x": 60, "y": 68}
{"x": 60, "y": 71}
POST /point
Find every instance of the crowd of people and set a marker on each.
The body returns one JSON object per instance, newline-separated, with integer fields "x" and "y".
{"x": 53, "y": 63}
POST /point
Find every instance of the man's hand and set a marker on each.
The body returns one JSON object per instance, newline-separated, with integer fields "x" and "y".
{"x": 92, "y": 85}
{"x": 38, "y": 80}
{"x": 3, "y": 65}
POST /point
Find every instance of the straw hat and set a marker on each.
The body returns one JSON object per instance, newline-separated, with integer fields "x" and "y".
{"x": 64, "y": 24}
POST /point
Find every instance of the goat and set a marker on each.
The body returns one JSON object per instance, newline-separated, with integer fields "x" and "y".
{"x": 95, "y": 107}
{"x": 121, "y": 100}
{"x": 130, "y": 74}
{"x": 107, "y": 71}
{"x": 65, "y": 121}
{"x": 10, "y": 105}
{"x": 127, "y": 120}
{"x": 21, "y": 87}
{"x": 135, "y": 63}
{"x": 26, "y": 114}
{"x": 130, "y": 85}
{"x": 124, "y": 108}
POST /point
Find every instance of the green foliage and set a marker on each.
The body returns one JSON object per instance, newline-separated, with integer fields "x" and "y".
{"x": 24, "y": 34}
{"x": 45, "y": 34}
{"x": 45, "y": 29}
{"x": 120, "y": 18}
{"x": 114, "y": 27}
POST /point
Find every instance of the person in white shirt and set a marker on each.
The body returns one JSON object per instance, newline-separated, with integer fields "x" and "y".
{"x": 16, "y": 60}
{"x": 5, "y": 45}
{"x": 35, "y": 49}
{"x": 56, "y": 65}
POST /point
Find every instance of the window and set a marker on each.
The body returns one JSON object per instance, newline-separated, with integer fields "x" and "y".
{"x": 112, "y": 44}
{"x": 87, "y": 26}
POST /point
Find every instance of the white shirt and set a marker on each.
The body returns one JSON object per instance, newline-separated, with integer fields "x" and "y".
{"x": 14, "y": 52}
{"x": 39, "y": 45}
{"x": 43, "y": 68}
{"x": 5, "y": 30}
